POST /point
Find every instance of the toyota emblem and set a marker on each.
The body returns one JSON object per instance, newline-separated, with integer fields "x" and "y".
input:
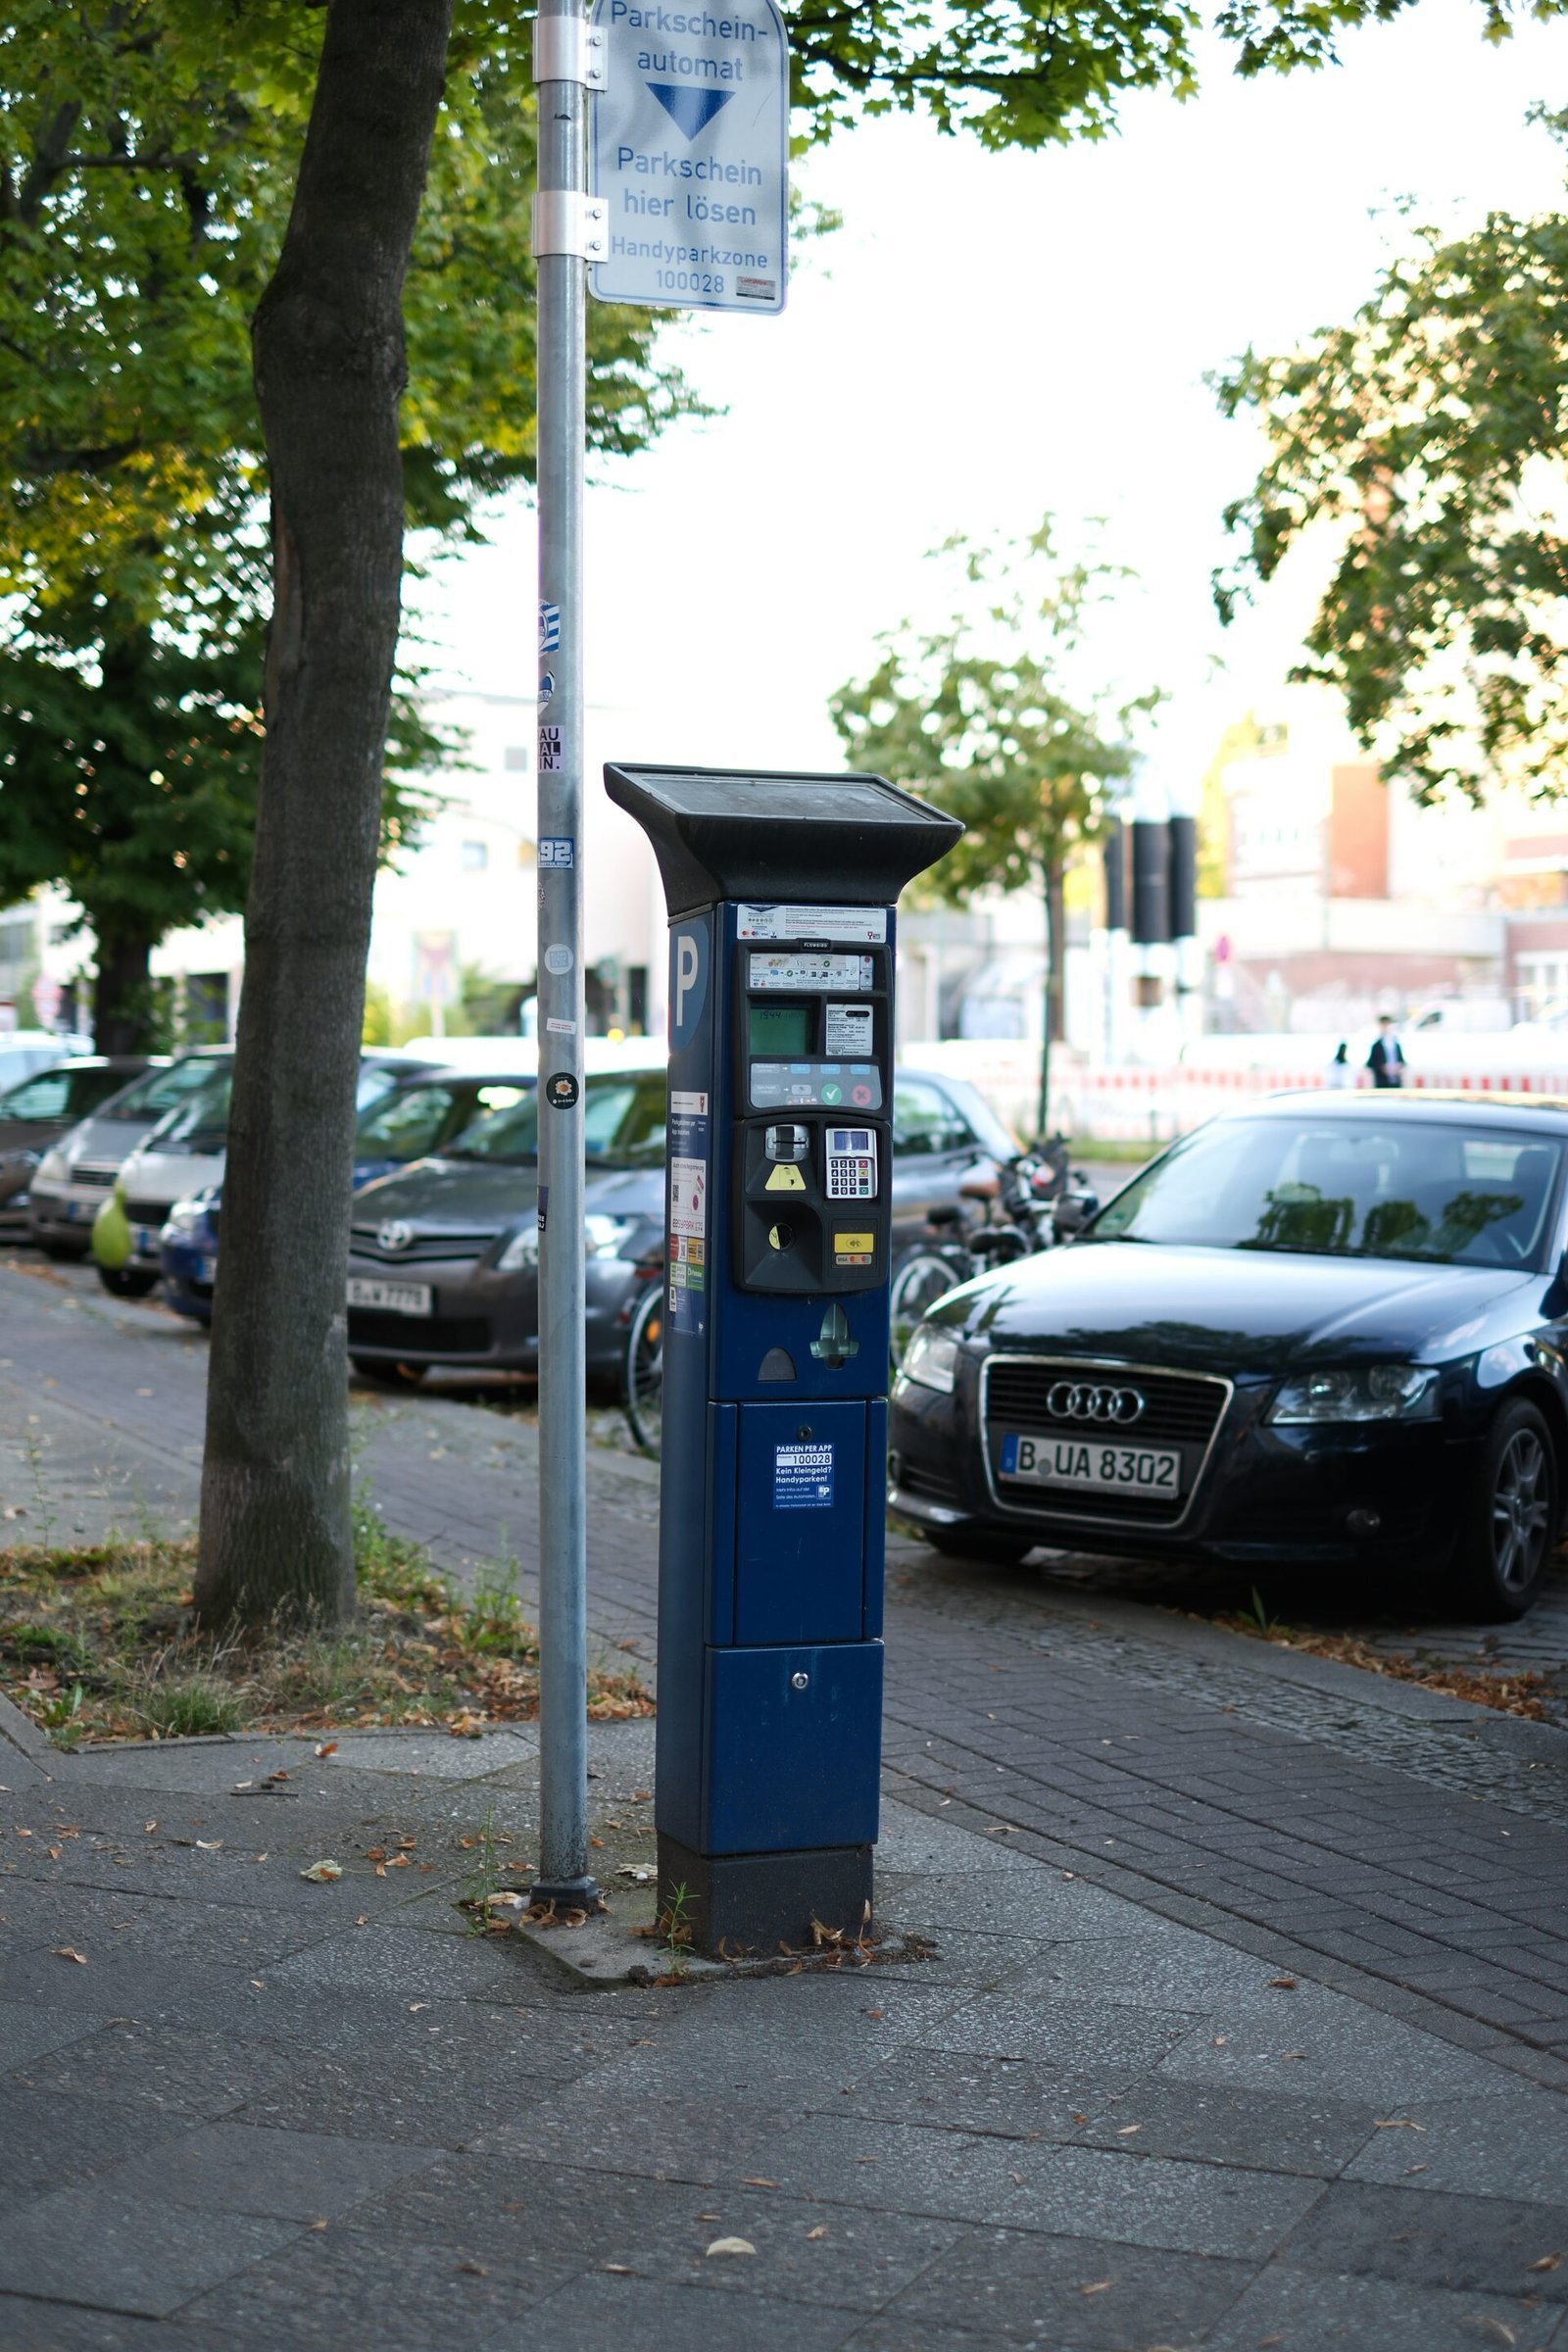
{"x": 394, "y": 1235}
{"x": 1084, "y": 1400}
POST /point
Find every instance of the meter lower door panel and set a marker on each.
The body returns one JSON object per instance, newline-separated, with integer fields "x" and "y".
{"x": 799, "y": 1536}
{"x": 793, "y": 1764}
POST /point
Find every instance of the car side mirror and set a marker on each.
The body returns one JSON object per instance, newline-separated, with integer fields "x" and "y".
{"x": 1073, "y": 1213}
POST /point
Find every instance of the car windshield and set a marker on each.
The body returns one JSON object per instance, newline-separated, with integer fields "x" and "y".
{"x": 201, "y": 1121}
{"x": 417, "y": 1119}
{"x": 1445, "y": 1193}
{"x": 68, "y": 1092}
{"x": 158, "y": 1090}
{"x": 622, "y": 1124}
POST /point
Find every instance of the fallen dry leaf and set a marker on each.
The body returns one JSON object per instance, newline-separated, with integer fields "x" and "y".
{"x": 641, "y": 1796}
{"x": 1397, "y": 2123}
{"x": 466, "y": 1725}
{"x": 1126, "y": 2130}
{"x": 322, "y": 1873}
{"x": 731, "y": 2245}
{"x": 326, "y": 1747}
{"x": 755, "y": 2181}
{"x": 66, "y": 1951}
{"x": 820, "y": 2231}
{"x": 1548, "y": 2262}
{"x": 619, "y": 2269}
{"x": 1282, "y": 1983}
{"x": 1504, "y": 2335}
{"x": 1097, "y": 2288}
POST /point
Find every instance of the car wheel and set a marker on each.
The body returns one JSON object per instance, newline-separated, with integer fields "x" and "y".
{"x": 126, "y": 1282}
{"x": 979, "y": 1543}
{"x": 1511, "y": 1520}
{"x": 387, "y": 1375}
{"x": 59, "y": 1250}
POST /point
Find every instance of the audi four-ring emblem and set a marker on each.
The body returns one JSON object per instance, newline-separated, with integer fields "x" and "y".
{"x": 1082, "y": 1401}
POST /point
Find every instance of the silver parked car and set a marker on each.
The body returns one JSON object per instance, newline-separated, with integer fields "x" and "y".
{"x": 72, "y": 1181}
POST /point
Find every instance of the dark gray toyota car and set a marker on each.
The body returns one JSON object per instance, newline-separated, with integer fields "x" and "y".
{"x": 443, "y": 1265}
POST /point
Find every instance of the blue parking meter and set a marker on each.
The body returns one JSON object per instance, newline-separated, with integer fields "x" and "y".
{"x": 781, "y": 892}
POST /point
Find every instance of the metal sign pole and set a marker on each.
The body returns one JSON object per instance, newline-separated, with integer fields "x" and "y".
{"x": 567, "y": 233}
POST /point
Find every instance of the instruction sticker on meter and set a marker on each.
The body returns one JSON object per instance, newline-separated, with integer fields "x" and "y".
{"x": 767, "y": 970}
{"x": 687, "y": 1253}
{"x": 802, "y": 1478}
{"x": 849, "y": 1029}
{"x": 864, "y": 924}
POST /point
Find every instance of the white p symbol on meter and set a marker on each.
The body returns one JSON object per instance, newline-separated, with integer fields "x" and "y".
{"x": 851, "y": 1163}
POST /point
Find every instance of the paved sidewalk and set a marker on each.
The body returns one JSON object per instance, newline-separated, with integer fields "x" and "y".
{"x": 1246, "y": 2022}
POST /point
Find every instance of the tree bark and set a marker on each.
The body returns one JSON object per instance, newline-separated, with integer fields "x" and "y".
{"x": 1053, "y": 1027}
{"x": 327, "y": 348}
{"x": 121, "y": 996}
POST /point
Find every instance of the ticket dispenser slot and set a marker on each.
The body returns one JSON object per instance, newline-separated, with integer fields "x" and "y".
{"x": 782, "y": 894}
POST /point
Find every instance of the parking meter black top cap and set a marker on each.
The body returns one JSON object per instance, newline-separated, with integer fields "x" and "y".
{"x": 807, "y": 838}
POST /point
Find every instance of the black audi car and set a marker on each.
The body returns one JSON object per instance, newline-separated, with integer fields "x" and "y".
{"x": 1332, "y": 1328}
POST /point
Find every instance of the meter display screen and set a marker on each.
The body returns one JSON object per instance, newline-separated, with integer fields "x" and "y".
{"x": 783, "y": 1029}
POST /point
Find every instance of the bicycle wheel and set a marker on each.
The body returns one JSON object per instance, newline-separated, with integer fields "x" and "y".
{"x": 919, "y": 1280}
{"x": 643, "y": 1394}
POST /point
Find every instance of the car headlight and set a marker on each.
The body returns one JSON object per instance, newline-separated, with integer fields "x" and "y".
{"x": 185, "y": 1219}
{"x": 521, "y": 1251}
{"x": 54, "y": 1167}
{"x": 931, "y": 1359}
{"x": 1380, "y": 1392}
{"x": 602, "y": 1236}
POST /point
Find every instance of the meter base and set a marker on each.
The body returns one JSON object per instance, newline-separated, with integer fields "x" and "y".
{"x": 741, "y": 1904}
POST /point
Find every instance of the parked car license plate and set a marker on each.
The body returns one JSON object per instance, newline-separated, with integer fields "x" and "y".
{"x": 396, "y": 1298}
{"x": 1091, "y": 1463}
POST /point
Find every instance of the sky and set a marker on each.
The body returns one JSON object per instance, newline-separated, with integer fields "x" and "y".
{"x": 990, "y": 337}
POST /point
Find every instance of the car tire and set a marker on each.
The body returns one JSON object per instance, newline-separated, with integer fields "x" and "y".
{"x": 1510, "y": 1521}
{"x": 61, "y": 1250}
{"x": 979, "y": 1543}
{"x": 127, "y": 1282}
{"x": 387, "y": 1375}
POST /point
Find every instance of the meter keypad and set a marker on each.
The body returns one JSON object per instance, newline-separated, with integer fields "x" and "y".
{"x": 850, "y": 1163}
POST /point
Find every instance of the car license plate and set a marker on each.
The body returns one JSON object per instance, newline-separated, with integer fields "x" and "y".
{"x": 146, "y": 1240}
{"x": 396, "y": 1298}
{"x": 73, "y": 1211}
{"x": 1091, "y": 1463}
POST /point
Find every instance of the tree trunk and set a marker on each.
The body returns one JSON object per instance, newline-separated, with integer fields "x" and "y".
{"x": 121, "y": 996}
{"x": 1053, "y": 1027}
{"x": 327, "y": 344}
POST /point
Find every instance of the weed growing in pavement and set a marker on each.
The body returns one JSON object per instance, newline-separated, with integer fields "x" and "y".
{"x": 484, "y": 1875}
{"x": 1265, "y": 1624}
{"x": 675, "y": 1927}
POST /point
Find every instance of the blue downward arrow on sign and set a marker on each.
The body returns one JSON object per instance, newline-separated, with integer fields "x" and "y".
{"x": 691, "y": 111}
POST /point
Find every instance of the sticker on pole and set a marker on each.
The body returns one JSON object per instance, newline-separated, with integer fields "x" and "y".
{"x": 690, "y": 151}
{"x": 549, "y": 629}
{"x": 802, "y": 1478}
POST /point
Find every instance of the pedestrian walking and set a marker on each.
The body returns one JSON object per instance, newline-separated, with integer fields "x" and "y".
{"x": 1339, "y": 1070}
{"x": 1386, "y": 1062}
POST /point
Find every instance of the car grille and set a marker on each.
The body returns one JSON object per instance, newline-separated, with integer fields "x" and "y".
{"x": 420, "y": 1335}
{"x": 148, "y": 1212}
{"x": 1180, "y": 1409}
{"x": 102, "y": 1178}
{"x": 423, "y": 1245}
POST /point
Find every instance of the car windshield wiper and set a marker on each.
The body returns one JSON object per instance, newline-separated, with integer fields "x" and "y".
{"x": 494, "y": 1159}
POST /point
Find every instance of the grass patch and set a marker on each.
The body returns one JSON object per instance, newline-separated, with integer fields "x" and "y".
{"x": 98, "y": 1644}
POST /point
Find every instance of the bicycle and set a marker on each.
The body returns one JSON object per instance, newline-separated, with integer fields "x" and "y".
{"x": 1018, "y": 1207}
{"x": 643, "y": 1372}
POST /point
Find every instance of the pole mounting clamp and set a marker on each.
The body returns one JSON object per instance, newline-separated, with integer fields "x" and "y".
{"x": 567, "y": 221}
{"x": 569, "y": 49}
